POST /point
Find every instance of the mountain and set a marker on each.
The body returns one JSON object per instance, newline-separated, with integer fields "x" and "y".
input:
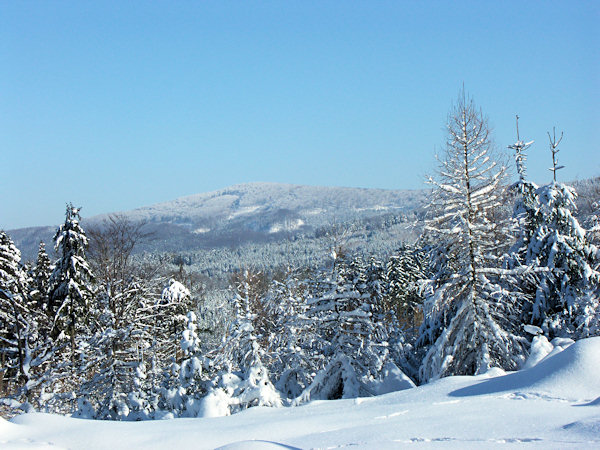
{"x": 253, "y": 212}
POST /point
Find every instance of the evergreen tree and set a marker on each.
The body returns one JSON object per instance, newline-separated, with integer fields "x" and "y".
{"x": 467, "y": 313}
{"x": 192, "y": 363}
{"x": 169, "y": 316}
{"x": 404, "y": 271}
{"x": 70, "y": 291}
{"x": 526, "y": 210}
{"x": 109, "y": 359}
{"x": 291, "y": 335}
{"x": 13, "y": 313}
{"x": 565, "y": 260}
{"x": 346, "y": 336}
{"x": 25, "y": 351}
{"x": 40, "y": 277}
{"x": 244, "y": 380}
{"x": 526, "y": 219}
{"x": 185, "y": 382}
{"x": 375, "y": 286}
{"x": 554, "y": 256}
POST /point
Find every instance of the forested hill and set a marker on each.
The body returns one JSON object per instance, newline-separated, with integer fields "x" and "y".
{"x": 249, "y": 213}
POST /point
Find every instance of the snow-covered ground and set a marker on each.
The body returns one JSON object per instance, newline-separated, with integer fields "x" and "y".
{"x": 554, "y": 404}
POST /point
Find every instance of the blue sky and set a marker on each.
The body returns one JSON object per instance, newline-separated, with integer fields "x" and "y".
{"x": 115, "y": 105}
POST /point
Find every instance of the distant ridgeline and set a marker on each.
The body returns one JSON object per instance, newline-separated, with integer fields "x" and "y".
{"x": 266, "y": 225}
{"x": 262, "y": 224}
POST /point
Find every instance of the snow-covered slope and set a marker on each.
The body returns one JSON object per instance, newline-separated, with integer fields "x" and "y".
{"x": 273, "y": 208}
{"x": 555, "y": 404}
{"x": 253, "y": 212}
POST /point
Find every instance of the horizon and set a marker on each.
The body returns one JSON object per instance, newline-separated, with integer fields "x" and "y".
{"x": 225, "y": 188}
{"x": 114, "y": 107}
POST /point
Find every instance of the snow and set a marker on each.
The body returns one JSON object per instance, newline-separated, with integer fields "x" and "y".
{"x": 175, "y": 292}
{"x": 243, "y": 211}
{"x": 393, "y": 379}
{"x": 314, "y": 204}
{"x": 572, "y": 374}
{"x": 554, "y": 404}
{"x": 290, "y": 225}
{"x": 377, "y": 208}
{"x": 540, "y": 348}
{"x": 254, "y": 445}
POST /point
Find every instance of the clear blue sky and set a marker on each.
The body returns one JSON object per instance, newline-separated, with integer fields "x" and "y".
{"x": 115, "y": 105}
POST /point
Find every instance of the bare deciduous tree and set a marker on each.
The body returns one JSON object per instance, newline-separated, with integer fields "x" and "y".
{"x": 465, "y": 312}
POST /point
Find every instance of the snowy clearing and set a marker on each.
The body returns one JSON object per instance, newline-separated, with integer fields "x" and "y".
{"x": 555, "y": 404}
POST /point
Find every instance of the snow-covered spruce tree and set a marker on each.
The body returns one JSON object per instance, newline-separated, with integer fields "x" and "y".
{"x": 112, "y": 356}
{"x": 38, "y": 297}
{"x": 290, "y": 335}
{"x": 244, "y": 340}
{"x": 526, "y": 219}
{"x": 13, "y": 313}
{"x": 402, "y": 304}
{"x": 119, "y": 325}
{"x": 104, "y": 395}
{"x": 593, "y": 221}
{"x": 40, "y": 278}
{"x": 250, "y": 287}
{"x": 393, "y": 350}
{"x": 526, "y": 207}
{"x": 375, "y": 286}
{"x": 170, "y": 318}
{"x": 70, "y": 289}
{"x": 184, "y": 380}
{"x": 567, "y": 290}
{"x": 404, "y": 270}
{"x": 69, "y": 299}
{"x": 588, "y": 318}
{"x": 347, "y": 337}
{"x": 244, "y": 379}
{"x": 26, "y": 351}
{"x": 192, "y": 384}
{"x": 467, "y": 313}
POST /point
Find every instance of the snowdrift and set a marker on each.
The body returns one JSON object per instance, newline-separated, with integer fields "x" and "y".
{"x": 255, "y": 445}
{"x": 572, "y": 374}
{"x": 555, "y": 404}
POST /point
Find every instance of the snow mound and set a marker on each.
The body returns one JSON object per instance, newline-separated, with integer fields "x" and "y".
{"x": 594, "y": 402}
{"x": 540, "y": 348}
{"x": 572, "y": 373}
{"x": 10, "y": 439}
{"x": 6, "y": 428}
{"x": 393, "y": 379}
{"x": 215, "y": 404}
{"x": 254, "y": 445}
{"x": 590, "y": 428}
{"x": 4, "y": 425}
{"x": 26, "y": 444}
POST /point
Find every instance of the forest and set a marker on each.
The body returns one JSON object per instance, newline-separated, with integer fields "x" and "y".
{"x": 499, "y": 269}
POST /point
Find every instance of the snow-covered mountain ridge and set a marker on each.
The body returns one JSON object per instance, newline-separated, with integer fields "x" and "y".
{"x": 251, "y": 199}
{"x": 252, "y": 212}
